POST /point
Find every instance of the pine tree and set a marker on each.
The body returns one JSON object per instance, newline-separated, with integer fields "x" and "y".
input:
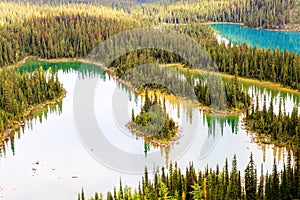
{"x": 275, "y": 183}
{"x": 261, "y": 185}
{"x": 250, "y": 180}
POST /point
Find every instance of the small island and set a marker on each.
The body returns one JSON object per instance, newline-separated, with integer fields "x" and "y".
{"x": 153, "y": 123}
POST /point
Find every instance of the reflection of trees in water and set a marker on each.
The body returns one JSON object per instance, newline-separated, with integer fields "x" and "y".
{"x": 277, "y": 96}
{"x": 84, "y": 70}
{"x": 38, "y": 116}
{"x": 216, "y": 124}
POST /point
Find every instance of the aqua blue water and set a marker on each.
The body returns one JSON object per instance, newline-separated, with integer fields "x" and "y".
{"x": 236, "y": 33}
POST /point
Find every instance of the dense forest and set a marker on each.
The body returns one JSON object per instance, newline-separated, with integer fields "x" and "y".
{"x": 251, "y": 62}
{"x": 19, "y": 93}
{"x": 72, "y": 29}
{"x": 208, "y": 91}
{"x": 218, "y": 184}
{"x": 153, "y": 121}
{"x": 266, "y": 65}
{"x": 269, "y": 14}
{"x": 235, "y": 96}
{"x": 53, "y": 32}
{"x": 28, "y": 32}
{"x": 282, "y": 129}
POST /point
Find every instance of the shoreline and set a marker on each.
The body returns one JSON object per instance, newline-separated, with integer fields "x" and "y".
{"x": 269, "y": 84}
{"x": 174, "y": 65}
{"x": 264, "y": 139}
{"x": 110, "y": 72}
{"x": 155, "y": 142}
{"x": 14, "y": 126}
{"x": 284, "y": 29}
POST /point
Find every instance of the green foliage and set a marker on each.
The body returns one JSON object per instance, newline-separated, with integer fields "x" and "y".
{"x": 282, "y": 129}
{"x": 197, "y": 192}
{"x": 212, "y": 184}
{"x": 277, "y": 66}
{"x": 251, "y": 180}
{"x": 253, "y": 13}
{"x": 153, "y": 121}
{"x": 58, "y": 32}
{"x": 234, "y": 95}
{"x": 266, "y": 65}
{"x": 21, "y": 92}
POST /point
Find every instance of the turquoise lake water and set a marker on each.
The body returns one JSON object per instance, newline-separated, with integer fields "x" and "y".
{"x": 236, "y": 33}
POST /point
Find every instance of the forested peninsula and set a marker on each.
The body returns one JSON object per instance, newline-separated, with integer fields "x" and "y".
{"x": 72, "y": 29}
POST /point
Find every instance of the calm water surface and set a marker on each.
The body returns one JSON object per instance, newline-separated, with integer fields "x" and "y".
{"x": 236, "y": 33}
{"x": 48, "y": 159}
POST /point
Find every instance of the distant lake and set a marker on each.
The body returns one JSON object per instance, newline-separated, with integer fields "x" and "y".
{"x": 236, "y": 33}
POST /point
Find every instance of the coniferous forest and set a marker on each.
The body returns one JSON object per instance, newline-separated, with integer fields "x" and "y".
{"x": 220, "y": 183}
{"x": 251, "y": 62}
{"x": 72, "y": 29}
{"x": 21, "y": 93}
{"x": 235, "y": 97}
{"x": 282, "y": 129}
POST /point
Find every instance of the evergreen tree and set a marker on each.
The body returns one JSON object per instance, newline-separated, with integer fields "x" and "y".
{"x": 250, "y": 180}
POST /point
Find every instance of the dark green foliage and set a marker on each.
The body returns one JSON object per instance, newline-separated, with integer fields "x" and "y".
{"x": 58, "y": 35}
{"x": 282, "y": 129}
{"x": 251, "y": 180}
{"x": 153, "y": 121}
{"x": 239, "y": 60}
{"x": 235, "y": 97}
{"x": 212, "y": 184}
{"x": 21, "y": 92}
{"x": 266, "y": 65}
{"x": 253, "y": 13}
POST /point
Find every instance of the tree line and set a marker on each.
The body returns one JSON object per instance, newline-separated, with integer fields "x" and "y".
{"x": 265, "y": 65}
{"x": 270, "y": 14}
{"x": 208, "y": 90}
{"x": 21, "y": 92}
{"x": 277, "y": 66}
{"x": 212, "y": 184}
{"x": 233, "y": 96}
{"x": 39, "y": 116}
{"x": 59, "y": 32}
{"x": 73, "y": 33}
{"x": 251, "y": 62}
{"x": 282, "y": 129}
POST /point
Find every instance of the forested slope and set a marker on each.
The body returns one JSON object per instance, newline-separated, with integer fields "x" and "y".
{"x": 57, "y": 32}
{"x": 251, "y": 62}
{"x": 270, "y": 14}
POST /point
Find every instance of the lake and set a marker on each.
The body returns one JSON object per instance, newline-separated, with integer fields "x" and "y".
{"x": 236, "y": 33}
{"x": 53, "y": 159}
